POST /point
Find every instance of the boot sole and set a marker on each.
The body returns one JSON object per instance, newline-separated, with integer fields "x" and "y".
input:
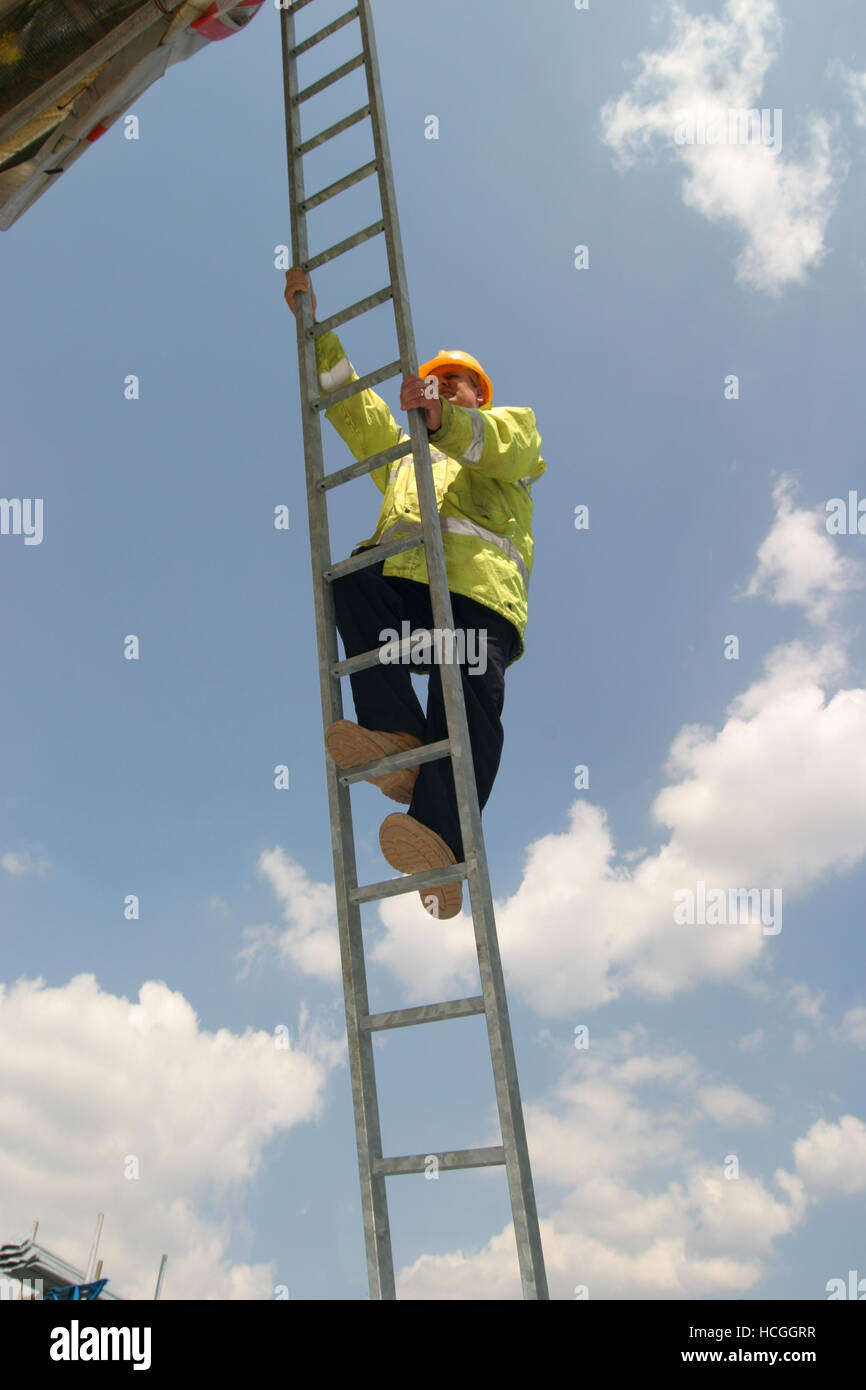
{"x": 413, "y": 848}
{"x": 350, "y": 745}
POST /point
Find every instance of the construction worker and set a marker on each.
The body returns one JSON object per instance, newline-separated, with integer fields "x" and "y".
{"x": 484, "y": 462}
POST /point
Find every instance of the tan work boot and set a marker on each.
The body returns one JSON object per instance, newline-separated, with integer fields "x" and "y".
{"x": 412, "y": 848}
{"x": 350, "y": 745}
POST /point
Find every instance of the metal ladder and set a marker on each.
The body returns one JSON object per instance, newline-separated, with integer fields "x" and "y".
{"x": 360, "y": 1023}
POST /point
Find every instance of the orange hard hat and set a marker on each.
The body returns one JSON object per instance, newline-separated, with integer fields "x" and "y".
{"x": 445, "y": 358}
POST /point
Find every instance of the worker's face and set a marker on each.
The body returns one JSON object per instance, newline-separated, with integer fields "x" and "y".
{"x": 460, "y": 386}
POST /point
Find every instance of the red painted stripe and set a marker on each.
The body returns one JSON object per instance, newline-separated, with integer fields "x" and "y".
{"x": 97, "y": 130}
{"x": 204, "y": 21}
{"x": 212, "y": 25}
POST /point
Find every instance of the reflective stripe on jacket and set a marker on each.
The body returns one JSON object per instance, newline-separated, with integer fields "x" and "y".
{"x": 484, "y": 464}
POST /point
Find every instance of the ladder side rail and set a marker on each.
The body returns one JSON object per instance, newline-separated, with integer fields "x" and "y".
{"x": 529, "y": 1251}
{"x": 377, "y": 1233}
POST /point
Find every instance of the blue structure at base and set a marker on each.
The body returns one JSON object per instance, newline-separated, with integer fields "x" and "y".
{"x": 86, "y": 1292}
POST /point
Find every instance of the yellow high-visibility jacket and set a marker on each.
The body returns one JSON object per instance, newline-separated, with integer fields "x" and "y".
{"x": 484, "y": 464}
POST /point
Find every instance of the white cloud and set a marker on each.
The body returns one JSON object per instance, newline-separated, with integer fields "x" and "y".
{"x": 775, "y": 796}
{"x": 728, "y": 1105}
{"x": 430, "y": 957}
{"x": 91, "y": 1078}
{"x": 779, "y": 204}
{"x": 798, "y": 562}
{"x": 741, "y": 811}
{"x": 831, "y": 1159}
{"x": 778, "y": 796}
{"x": 807, "y": 1002}
{"x": 774, "y": 799}
{"x": 593, "y": 1123}
{"x": 21, "y": 862}
{"x": 853, "y": 1027}
{"x": 855, "y": 86}
{"x": 441, "y": 954}
{"x": 310, "y": 943}
{"x": 644, "y": 1214}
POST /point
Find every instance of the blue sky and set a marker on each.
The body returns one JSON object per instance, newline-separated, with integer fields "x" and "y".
{"x": 155, "y": 1038}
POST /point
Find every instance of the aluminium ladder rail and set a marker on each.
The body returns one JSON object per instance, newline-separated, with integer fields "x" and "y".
{"x": 360, "y": 1023}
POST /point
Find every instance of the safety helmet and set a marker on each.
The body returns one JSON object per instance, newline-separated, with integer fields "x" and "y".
{"x": 445, "y": 358}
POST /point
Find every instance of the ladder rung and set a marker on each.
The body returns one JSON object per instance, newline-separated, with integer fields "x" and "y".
{"x": 334, "y": 188}
{"x": 299, "y": 5}
{"x": 410, "y": 757}
{"x": 329, "y": 79}
{"x": 324, "y": 33}
{"x": 354, "y": 388}
{"x": 423, "y": 1013}
{"x": 403, "y": 651}
{"x": 340, "y": 247}
{"x": 364, "y": 660}
{"x": 332, "y": 130}
{"x": 409, "y": 883}
{"x": 367, "y": 465}
{"x": 370, "y": 555}
{"x": 449, "y": 1159}
{"x": 362, "y": 306}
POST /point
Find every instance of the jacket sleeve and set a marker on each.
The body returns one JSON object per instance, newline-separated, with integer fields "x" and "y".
{"x": 363, "y": 421}
{"x": 502, "y": 441}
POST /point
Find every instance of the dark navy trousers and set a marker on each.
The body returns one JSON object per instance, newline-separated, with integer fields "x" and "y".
{"x": 368, "y": 603}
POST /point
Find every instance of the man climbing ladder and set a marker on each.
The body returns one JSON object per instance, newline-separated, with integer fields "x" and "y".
{"x": 484, "y": 461}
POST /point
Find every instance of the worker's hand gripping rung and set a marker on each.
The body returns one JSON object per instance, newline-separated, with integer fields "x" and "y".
{"x": 395, "y": 762}
{"x": 412, "y": 883}
{"x": 323, "y": 33}
{"x": 448, "y": 1159}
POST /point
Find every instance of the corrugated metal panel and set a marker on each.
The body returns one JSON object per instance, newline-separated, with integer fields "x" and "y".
{"x": 31, "y": 1261}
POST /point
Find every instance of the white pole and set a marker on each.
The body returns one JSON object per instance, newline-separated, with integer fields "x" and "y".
{"x": 91, "y": 1263}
